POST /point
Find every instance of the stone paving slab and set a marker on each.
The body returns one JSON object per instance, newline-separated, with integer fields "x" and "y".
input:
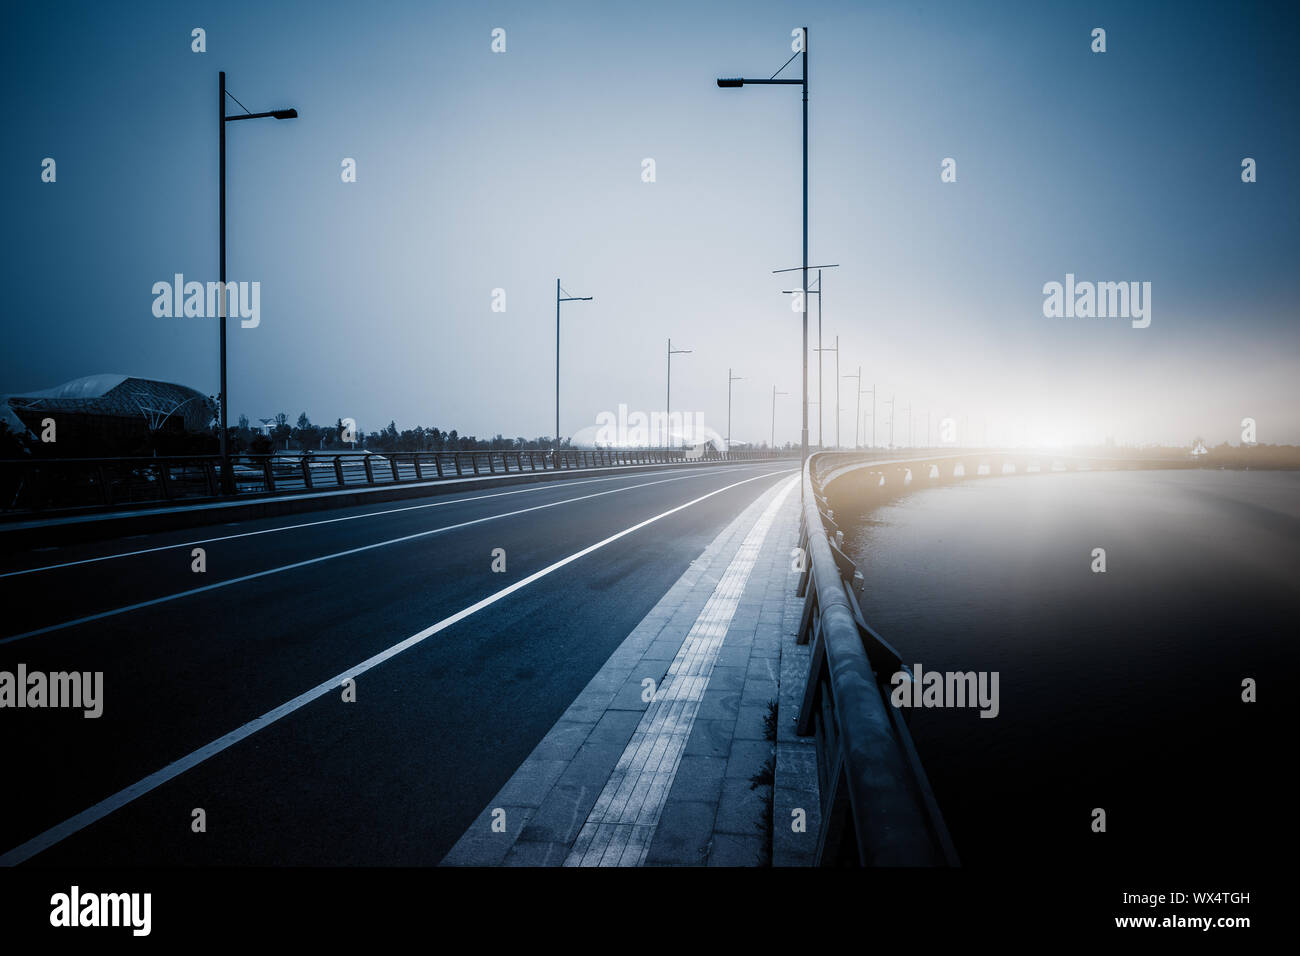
{"x": 678, "y": 780}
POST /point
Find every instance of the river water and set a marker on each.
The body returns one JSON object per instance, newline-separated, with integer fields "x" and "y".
{"x": 1119, "y": 690}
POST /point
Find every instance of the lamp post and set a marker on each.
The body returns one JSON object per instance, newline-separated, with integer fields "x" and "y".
{"x": 227, "y": 479}
{"x": 775, "y": 393}
{"x": 561, "y": 296}
{"x": 668, "y": 399}
{"x": 873, "y": 414}
{"x": 836, "y": 350}
{"x": 891, "y": 421}
{"x": 730, "y": 378}
{"x": 735, "y": 82}
{"x": 857, "y": 415}
{"x": 817, "y": 292}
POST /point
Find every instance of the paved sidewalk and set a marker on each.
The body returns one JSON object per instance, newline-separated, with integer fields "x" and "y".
{"x": 667, "y": 756}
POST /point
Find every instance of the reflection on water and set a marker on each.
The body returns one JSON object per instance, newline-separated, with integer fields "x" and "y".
{"x": 1119, "y": 690}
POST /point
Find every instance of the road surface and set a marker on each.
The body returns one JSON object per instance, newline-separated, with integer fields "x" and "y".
{"x": 459, "y": 670}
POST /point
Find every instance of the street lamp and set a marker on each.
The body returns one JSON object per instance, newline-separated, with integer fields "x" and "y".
{"x": 668, "y": 398}
{"x": 558, "y": 299}
{"x": 857, "y": 415}
{"x": 891, "y": 420}
{"x": 775, "y": 393}
{"x": 730, "y": 378}
{"x": 872, "y": 390}
{"x": 836, "y": 350}
{"x": 736, "y": 82}
{"x": 817, "y": 292}
{"x": 227, "y": 479}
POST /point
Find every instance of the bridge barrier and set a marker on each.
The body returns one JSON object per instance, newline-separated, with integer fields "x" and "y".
{"x": 39, "y": 484}
{"x": 877, "y": 806}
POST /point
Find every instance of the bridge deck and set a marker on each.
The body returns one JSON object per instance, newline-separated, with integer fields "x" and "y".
{"x": 622, "y": 780}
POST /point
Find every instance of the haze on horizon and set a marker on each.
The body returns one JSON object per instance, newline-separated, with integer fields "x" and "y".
{"x": 479, "y": 171}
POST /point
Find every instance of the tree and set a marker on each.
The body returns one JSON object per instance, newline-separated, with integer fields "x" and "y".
{"x": 282, "y": 431}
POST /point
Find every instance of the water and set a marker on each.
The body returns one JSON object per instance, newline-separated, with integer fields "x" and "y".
{"x": 1119, "y": 690}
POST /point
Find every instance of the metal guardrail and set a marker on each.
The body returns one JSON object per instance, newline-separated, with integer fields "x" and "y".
{"x": 37, "y": 484}
{"x": 877, "y": 806}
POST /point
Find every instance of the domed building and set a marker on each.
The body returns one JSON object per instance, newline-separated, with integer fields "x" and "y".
{"x": 107, "y": 410}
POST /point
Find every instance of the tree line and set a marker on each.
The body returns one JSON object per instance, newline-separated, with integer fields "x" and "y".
{"x": 303, "y": 436}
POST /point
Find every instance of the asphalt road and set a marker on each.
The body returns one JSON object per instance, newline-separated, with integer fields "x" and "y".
{"x": 287, "y": 604}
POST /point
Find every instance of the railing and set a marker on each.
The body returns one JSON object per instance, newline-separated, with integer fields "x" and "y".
{"x": 37, "y": 484}
{"x": 877, "y": 806}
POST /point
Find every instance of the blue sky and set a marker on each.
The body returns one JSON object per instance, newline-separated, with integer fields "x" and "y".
{"x": 479, "y": 171}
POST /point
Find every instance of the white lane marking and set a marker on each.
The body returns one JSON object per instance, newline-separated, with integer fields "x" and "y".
{"x": 540, "y": 486}
{"x": 166, "y": 598}
{"x": 622, "y": 822}
{"x": 85, "y": 818}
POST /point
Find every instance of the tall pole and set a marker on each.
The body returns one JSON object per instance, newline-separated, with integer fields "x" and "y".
{"x": 837, "y": 372}
{"x": 873, "y": 414}
{"x": 724, "y": 82}
{"x": 221, "y": 319}
{"x": 227, "y": 484}
{"x": 836, "y": 350}
{"x": 558, "y": 299}
{"x": 557, "y": 362}
{"x": 820, "y": 398}
{"x": 857, "y": 414}
{"x": 731, "y": 378}
{"x": 668, "y": 398}
{"x": 775, "y": 393}
{"x": 803, "y": 438}
{"x": 227, "y": 477}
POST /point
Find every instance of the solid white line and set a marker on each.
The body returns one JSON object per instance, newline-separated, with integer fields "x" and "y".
{"x": 325, "y": 557}
{"x": 540, "y": 486}
{"x": 67, "y": 828}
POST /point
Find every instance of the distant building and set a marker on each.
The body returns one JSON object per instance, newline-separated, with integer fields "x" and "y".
{"x": 108, "y": 408}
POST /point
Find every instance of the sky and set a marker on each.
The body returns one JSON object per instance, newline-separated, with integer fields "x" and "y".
{"x": 478, "y": 171}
